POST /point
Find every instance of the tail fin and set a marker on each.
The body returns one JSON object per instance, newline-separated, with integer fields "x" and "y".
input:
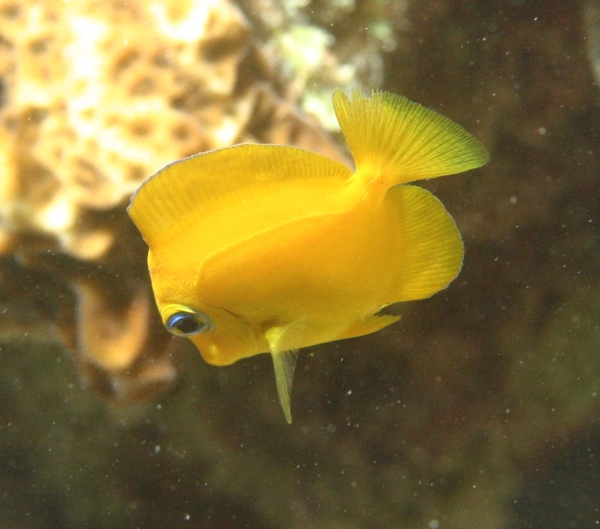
{"x": 403, "y": 141}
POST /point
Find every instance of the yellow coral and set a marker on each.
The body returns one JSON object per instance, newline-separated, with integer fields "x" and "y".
{"x": 96, "y": 96}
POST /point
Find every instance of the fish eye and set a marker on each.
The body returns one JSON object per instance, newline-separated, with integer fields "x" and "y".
{"x": 185, "y": 323}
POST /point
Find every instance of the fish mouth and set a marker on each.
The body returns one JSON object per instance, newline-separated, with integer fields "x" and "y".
{"x": 231, "y": 339}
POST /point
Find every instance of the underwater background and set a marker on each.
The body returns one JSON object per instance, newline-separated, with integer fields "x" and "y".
{"x": 479, "y": 409}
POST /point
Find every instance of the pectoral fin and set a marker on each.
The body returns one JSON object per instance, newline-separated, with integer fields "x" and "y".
{"x": 284, "y": 362}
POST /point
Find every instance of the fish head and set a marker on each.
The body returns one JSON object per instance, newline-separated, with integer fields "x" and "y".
{"x": 220, "y": 336}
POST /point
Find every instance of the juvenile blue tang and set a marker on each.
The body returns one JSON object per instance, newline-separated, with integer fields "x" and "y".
{"x": 269, "y": 248}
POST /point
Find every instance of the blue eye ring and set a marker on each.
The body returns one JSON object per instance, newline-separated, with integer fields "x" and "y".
{"x": 188, "y": 322}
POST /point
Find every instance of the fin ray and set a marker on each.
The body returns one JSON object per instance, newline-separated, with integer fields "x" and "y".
{"x": 433, "y": 249}
{"x": 188, "y": 191}
{"x": 368, "y": 325}
{"x": 402, "y": 140}
{"x": 284, "y": 363}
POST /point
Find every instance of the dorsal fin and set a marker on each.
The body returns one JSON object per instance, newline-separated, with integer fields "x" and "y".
{"x": 432, "y": 249}
{"x": 403, "y": 141}
{"x": 187, "y": 191}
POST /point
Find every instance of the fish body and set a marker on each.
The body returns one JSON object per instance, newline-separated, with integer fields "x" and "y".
{"x": 269, "y": 248}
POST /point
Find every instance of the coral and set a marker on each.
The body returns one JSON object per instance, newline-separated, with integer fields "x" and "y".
{"x": 328, "y": 44}
{"x": 100, "y": 96}
{"x": 96, "y": 97}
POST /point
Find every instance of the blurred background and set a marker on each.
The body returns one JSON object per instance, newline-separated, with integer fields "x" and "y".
{"x": 478, "y": 410}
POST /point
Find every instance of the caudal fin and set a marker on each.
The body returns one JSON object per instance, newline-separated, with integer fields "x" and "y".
{"x": 402, "y": 141}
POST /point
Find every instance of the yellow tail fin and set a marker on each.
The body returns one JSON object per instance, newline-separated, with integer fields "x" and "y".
{"x": 401, "y": 141}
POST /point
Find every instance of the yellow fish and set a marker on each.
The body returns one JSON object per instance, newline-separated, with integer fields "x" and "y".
{"x": 270, "y": 248}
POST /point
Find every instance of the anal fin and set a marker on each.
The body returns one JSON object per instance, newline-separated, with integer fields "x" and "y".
{"x": 368, "y": 325}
